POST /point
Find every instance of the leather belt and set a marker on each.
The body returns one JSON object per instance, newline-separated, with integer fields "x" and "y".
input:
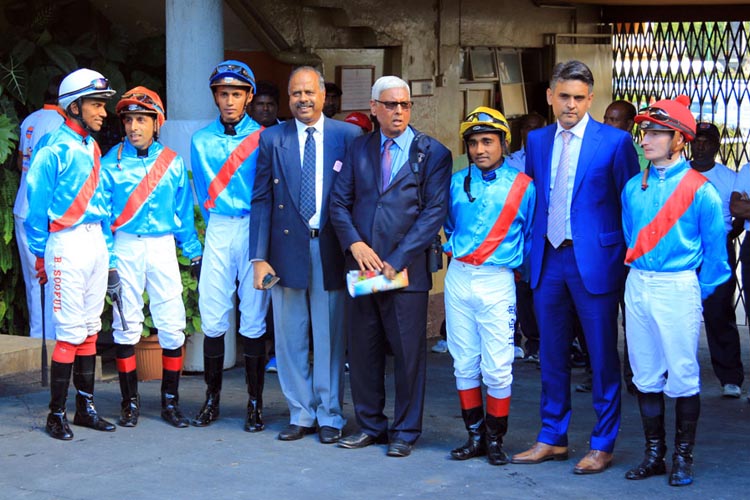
{"x": 564, "y": 244}
{"x": 314, "y": 233}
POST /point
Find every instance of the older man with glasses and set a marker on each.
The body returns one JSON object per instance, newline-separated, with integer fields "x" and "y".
{"x": 387, "y": 207}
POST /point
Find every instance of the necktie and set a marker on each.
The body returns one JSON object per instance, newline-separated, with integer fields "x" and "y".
{"x": 558, "y": 202}
{"x": 385, "y": 162}
{"x": 307, "y": 186}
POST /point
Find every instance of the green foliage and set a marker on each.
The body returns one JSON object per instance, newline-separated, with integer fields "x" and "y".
{"x": 8, "y": 137}
{"x": 13, "y": 78}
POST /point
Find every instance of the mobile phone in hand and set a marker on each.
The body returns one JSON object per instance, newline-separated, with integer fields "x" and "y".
{"x": 269, "y": 280}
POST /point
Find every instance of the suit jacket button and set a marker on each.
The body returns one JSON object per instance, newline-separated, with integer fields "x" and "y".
{"x": 281, "y": 207}
{"x": 275, "y": 181}
{"x": 286, "y": 231}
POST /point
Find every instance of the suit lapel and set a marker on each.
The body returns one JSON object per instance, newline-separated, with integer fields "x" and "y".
{"x": 331, "y": 149}
{"x": 591, "y": 140}
{"x": 404, "y": 171}
{"x": 546, "y": 163}
{"x": 291, "y": 166}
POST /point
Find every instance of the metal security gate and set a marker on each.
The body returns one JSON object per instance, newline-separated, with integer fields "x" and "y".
{"x": 707, "y": 61}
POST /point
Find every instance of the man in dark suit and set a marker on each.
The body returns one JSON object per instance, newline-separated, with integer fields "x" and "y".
{"x": 579, "y": 167}
{"x": 290, "y": 234}
{"x": 386, "y": 212}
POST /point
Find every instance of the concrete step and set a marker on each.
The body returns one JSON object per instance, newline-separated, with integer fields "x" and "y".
{"x": 22, "y": 354}
{"x": 21, "y": 360}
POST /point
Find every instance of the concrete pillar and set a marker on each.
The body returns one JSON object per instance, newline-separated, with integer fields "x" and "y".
{"x": 195, "y": 44}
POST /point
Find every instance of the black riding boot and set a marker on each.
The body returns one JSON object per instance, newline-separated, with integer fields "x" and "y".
{"x": 687, "y": 411}
{"x": 83, "y": 379}
{"x": 170, "y": 388}
{"x": 255, "y": 370}
{"x": 213, "y": 374}
{"x": 496, "y": 429}
{"x": 57, "y": 421}
{"x": 475, "y": 445}
{"x": 652, "y": 416}
{"x": 131, "y": 403}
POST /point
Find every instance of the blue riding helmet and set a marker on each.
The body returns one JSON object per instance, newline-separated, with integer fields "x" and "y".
{"x": 232, "y": 74}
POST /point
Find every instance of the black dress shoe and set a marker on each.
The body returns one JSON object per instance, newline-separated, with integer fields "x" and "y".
{"x": 294, "y": 432}
{"x": 359, "y": 440}
{"x": 328, "y": 434}
{"x": 399, "y": 448}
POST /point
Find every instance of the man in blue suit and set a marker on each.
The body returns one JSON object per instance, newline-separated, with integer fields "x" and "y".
{"x": 291, "y": 235}
{"x": 579, "y": 167}
{"x": 387, "y": 210}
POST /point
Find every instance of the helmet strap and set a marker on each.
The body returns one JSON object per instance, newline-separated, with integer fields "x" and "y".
{"x": 467, "y": 179}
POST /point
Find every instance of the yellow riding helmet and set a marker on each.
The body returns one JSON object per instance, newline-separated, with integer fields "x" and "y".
{"x": 483, "y": 120}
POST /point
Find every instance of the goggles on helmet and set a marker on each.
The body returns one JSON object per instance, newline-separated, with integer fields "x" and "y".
{"x": 659, "y": 119}
{"x": 481, "y": 121}
{"x": 485, "y": 118}
{"x": 97, "y": 84}
{"x": 145, "y": 99}
{"x": 231, "y": 68}
{"x": 225, "y": 71}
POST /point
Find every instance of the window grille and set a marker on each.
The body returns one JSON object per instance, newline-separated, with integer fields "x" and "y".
{"x": 707, "y": 61}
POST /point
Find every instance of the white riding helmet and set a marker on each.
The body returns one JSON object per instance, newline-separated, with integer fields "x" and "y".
{"x": 83, "y": 83}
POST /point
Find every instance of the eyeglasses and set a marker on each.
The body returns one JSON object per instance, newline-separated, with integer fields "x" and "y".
{"x": 145, "y": 99}
{"x": 391, "y": 105}
{"x": 232, "y": 68}
{"x": 98, "y": 84}
{"x": 484, "y": 118}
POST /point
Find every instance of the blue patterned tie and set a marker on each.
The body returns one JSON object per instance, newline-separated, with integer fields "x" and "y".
{"x": 558, "y": 201}
{"x": 307, "y": 187}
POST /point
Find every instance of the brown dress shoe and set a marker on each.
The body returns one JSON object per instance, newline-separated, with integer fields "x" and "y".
{"x": 540, "y": 452}
{"x": 594, "y": 462}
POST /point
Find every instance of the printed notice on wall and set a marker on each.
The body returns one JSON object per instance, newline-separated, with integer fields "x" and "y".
{"x": 356, "y": 85}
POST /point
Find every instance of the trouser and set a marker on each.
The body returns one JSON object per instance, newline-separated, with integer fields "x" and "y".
{"x": 398, "y": 319}
{"x": 312, "y": 392}
{"x": 664, "y": 318}
{"x": 149, "y": 263}
{"x": 226, "y": 261}
{"x": 721, "y": 328}
{"x": 33, "y": 292}
{"x": 526, "y": 317}
{"x": 76, "y": 261}
{"x": 480, "y": 313}
{"x": 558, "y": 297}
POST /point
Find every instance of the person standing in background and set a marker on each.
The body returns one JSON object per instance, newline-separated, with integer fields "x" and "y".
{"x": 33, "y": 128}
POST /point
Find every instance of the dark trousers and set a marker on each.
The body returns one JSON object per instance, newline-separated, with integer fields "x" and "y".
{"x": 721, "y": 327}
{"x": 526, "y": 318}
{"x": 397, "y": 319}
{"x": 559, "y": 296}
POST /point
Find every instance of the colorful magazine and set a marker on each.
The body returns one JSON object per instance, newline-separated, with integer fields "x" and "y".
{"x": 366, "y": 282}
